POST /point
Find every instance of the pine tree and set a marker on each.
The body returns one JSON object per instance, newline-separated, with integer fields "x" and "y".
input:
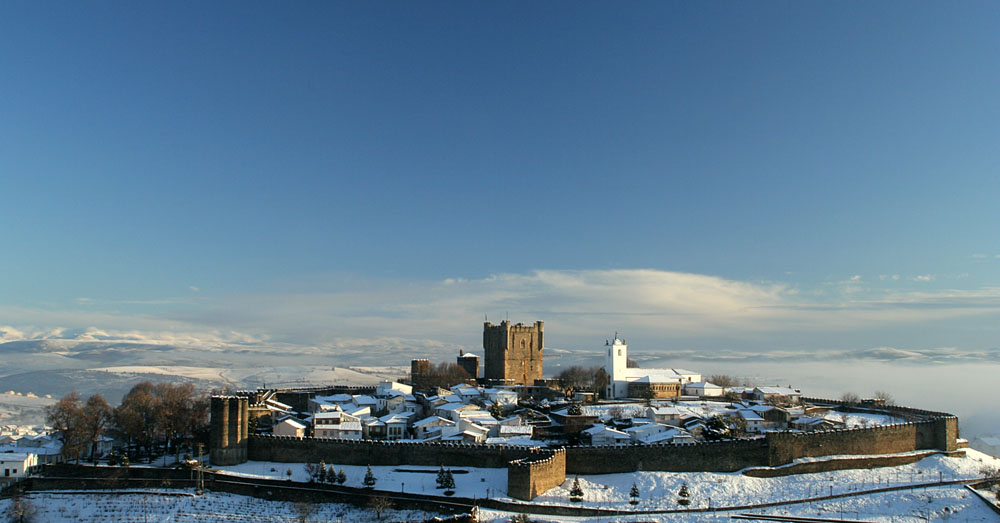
{"x": 331, "y": 475}
{"x": 576, "y": 493}
{"x": 449, "y": 482}
{"x": 369, "y": 478}
{"x": 442, "y": 477}
{"x": 341, "y": 477}
{"x": 684, "y": 495}
{"x": 634, "y": 495}
{"x": 321, "y": 472}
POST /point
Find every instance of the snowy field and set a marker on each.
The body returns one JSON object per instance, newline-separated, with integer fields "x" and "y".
{"x": 658, "y": 490}
{"x": 211, "y": 506}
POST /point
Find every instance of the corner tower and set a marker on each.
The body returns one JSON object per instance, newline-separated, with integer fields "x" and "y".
{"x": 513, "y": 352}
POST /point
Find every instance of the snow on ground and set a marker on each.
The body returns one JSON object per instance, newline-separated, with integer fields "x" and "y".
{"x": 476, "y": 483}
{"x": 658, "y": 490}
{"x": 102, "y": 506}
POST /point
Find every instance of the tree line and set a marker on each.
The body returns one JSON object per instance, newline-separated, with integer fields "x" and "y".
{"x": 163, "y": 415}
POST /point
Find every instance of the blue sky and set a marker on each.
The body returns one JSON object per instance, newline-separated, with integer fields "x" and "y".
{"x": 732, "y": 175}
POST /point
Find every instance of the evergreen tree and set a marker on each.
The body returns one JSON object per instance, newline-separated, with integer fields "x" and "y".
{"x": 321, "y": 472}
{"x": 341, "y": 477}
{"x": 331, "y": 475}
{"x": 449, "y": 481}
{"x": 576, "y": 493}
{"x": 369, "y": 478}
{"x": 684, "y": 495}
{"x": 634, "y": 495}
{"x": 442, "y": 477}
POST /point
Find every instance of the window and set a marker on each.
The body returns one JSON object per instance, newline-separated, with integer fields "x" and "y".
{"x": 619, "y": 352}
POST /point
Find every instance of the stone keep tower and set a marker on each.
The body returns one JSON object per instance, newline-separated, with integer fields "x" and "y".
{"x": 513, "y": 352}
{"x": 228, "y": 429}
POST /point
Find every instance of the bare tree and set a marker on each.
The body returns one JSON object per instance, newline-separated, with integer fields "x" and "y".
{"x": 304, "y": 510}
{"x": 66, "y": 417}
{"x": 379, "y": 504}
{"x": 136, "y": 417}
{"x": 96, "y": 417}
{"x": 885, "y": 398}
{"x": 21, "y": 510}
{"x": 724, "y": 380}
{"x": 850, "y": 398}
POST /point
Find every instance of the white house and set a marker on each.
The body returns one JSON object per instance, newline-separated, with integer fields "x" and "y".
{"x": 665, "y": 415}
{"x": 754, "y": 422}
{"x": 430, "y": 427}
{"x": 290, "y": 427}
{"x": 17, "y": 465}
{"x": 640, "y": 433}
{"x": 336, "y": 424}
{"x": 777, "y": 394}
{"x": 702, "y": 389}
{"x": 601, "y": 434}
{"x": 620, "y": 374}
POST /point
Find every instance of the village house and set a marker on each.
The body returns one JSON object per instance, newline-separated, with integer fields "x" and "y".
{"x": 336, "y": 424}
{"x": 601, "y": 434}
{"x": 17, "y": 465}
{"x": 430, "y": 427}
{"x": 702, "y": 389}
{"x": 289, "y": 427}
{"x": 665, "y": 415}
{"x": 777, "y": 395}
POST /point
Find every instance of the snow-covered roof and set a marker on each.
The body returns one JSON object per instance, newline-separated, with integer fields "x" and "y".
{"x": 665, "y": 411}
{"x": 599, "y": 428}
{"x": 351, "y": 425}
{"x": 780, "y": 391}
{"x": 468, "y": 355}
{"x": 703, "y": 385}
{"x": 433, "y": 419}
{"x": 750, "y": 415}
{"x": 511, "y": 430}
{"x": 293, "y": 423}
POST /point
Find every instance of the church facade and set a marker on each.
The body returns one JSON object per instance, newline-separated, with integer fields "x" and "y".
{"x": 633, "y": 382}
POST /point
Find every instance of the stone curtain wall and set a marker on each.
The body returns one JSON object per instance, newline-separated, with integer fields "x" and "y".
{"x": 721, "y": 456}
{"x": 369, "y": 452}
{"x": 887, "y": 439}
{"x": 531, "y": 476}
{"x": 777, "y": 448}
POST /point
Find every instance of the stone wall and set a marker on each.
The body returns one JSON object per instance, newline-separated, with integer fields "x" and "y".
{"x": 721, "y": 456}
{"x": 370, "y": 452}
{"x": 528, "y": 477}
{"x": 784, "y": 447}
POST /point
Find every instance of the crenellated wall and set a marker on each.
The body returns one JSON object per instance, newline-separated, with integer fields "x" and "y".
{"x": 530, "y": 476}
{"x": 719, "y": 456}
{"x": 532, "y": 470}
{"x": 372, "y": 452}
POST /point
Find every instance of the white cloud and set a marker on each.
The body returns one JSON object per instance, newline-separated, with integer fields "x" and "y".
{"x": 924, "y": 277}
{"x": 193, "y": 288}
{"x": 856, "y": 277}
{"x": 580, "y": 308}
{"x": 979, "y": 256}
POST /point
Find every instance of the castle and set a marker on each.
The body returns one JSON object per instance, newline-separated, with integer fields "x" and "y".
{"x": 513, "y": 352}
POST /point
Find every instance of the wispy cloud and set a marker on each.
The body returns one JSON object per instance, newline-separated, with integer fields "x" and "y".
{"x": 580, "y": 308}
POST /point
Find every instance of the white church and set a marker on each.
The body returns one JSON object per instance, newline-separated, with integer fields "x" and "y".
{"x": 665, "y": 382}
